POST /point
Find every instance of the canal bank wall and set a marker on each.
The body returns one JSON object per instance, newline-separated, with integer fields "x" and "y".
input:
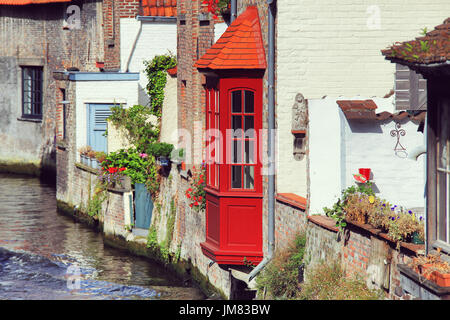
{"x": 174, "y": 235}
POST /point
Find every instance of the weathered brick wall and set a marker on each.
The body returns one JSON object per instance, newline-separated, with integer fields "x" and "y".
{"x": 289, "y": 220}
{"x": 360, "y": 252}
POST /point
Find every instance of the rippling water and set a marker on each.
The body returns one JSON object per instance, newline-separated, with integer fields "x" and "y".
{"x": 45, "y": 255}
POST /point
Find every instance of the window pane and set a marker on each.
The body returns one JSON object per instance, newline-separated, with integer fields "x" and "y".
{"x": 249, "y": 151}
{"x": 249, "y": 126}
{"x": 249, "y": 177}
{"x": 236, "y": 101}
{"x": 236, "y": 177}
{"x": 249, "y": 102}
{"x": 27, "y": 102}
{"x": 236, "y": 152}
{"x": 236, "y": 125}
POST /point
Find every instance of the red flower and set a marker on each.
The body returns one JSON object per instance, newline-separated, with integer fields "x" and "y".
{"x": 122, "y": 169}
{"x": 196, "y": 203}
{"x": 199, "y": 198}
{"x": 190, "y": 205}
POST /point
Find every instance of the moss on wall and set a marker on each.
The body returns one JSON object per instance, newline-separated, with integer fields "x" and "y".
{"x": 20, "y": 167}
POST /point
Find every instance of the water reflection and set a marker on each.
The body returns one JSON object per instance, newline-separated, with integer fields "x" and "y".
{"x": 40, "y": 245}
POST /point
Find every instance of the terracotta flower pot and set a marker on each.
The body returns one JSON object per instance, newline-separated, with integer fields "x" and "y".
{"x": 441, "y": 279}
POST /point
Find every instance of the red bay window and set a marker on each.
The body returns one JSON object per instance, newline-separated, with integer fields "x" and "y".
{"x": 234, "y": 109}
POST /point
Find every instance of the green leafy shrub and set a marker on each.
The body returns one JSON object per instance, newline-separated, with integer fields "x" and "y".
{"x": 159, "y": 149}
{"x": 280, "y": 277}
{"x": 138, "y": 167}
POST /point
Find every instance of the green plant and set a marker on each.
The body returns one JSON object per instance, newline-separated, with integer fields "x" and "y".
{"x": 337, "y": 212}
{"x": 400, "y": 225}
{"x": 140, "y": 131}
{"x": 328, "y": 281}
{"x": 160, "y": 149}
{"x": 84, "y": 150}
{"x": 137, "y": 166}
{"x": 280, "y": 277}
{"x": 100, "y": 156}
{"x": 156, "y": 75}
{"x": 424, "y": 46}
{"x": 95, "y": 202}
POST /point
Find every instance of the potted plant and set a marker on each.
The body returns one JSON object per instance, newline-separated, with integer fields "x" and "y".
{"x": 100, "y": 156}
{"x": 161, "y": 151}
{"x": 433, "y": 268}
{"x": 91, "y": 158}
{"x": 84, "y": 154}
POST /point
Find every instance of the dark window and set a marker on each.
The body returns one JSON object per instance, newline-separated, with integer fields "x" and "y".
{"x": 32, "y": 94}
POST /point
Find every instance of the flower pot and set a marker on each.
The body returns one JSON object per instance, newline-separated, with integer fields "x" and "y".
{"x": 183, "y": 165}
{"x": 441, "y": 279}
{"x": 94, "y": 163}
{"x": 415, "y": 238}
{"x": 84, "y": 160}
{"x": 163, "y": 161}
{"x": 365, "y": 172}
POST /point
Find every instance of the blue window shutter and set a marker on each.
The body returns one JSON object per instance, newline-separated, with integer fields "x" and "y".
{"x": 97, "y": 126}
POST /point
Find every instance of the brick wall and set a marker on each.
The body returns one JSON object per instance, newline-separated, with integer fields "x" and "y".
{"x": 360, "y": 251}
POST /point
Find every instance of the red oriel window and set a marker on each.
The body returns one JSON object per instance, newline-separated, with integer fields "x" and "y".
{"x": 234, "y": 181}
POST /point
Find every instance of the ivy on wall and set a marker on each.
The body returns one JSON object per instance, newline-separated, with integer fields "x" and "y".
{"x": 157, "y": 78}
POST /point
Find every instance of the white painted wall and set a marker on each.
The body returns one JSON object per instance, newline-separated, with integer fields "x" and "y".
{"x": 332, "y": 48}
{"x": 169, "y": 118}
{"x": 339, "y": 147}
{"x": 156, "y": 38}
{"x": 125, "y": 92}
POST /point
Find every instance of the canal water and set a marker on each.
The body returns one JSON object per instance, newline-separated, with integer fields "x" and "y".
{"x": 46, "y": 255}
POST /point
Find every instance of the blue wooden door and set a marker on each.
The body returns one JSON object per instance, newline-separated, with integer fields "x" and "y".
{"x": 143, "y": 206}
{"x": 97, "y": 125}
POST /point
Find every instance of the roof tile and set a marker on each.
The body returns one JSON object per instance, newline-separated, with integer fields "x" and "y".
{"x": 434, "y": 47}
{"x": 240, "y": 47}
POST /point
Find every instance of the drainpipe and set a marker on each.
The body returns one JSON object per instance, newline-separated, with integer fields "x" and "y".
{"x": 233, "y": 10}
{"x": 271, "y": 142}
{"x": 133, "y": 48}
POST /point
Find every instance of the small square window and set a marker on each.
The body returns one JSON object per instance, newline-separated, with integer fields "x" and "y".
{"x": 32, "y": 94}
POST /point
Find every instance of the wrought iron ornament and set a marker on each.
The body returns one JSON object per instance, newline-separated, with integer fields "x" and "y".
{"x": 398, "y": 132}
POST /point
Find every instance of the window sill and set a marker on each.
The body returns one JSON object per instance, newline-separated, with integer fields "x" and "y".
{"x": 36, "y": 120}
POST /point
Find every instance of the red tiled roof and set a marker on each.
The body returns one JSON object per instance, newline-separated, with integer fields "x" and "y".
{"x": 25, "y": 2}
{"x": 162, "y": 8}
{"x": 365, "y": 109}
{"x": 240, "y": 47}
{"x": 434, "y": 47}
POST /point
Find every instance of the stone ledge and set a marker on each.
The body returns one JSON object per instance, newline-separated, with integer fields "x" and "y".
{"x": 86, "y": 168}
{"x": 292, "y": 199}
{"x": 324, "y": 221}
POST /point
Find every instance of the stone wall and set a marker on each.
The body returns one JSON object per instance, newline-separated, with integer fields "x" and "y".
{"x": 362, "y": 251}
{"x": 34, "y": 36}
